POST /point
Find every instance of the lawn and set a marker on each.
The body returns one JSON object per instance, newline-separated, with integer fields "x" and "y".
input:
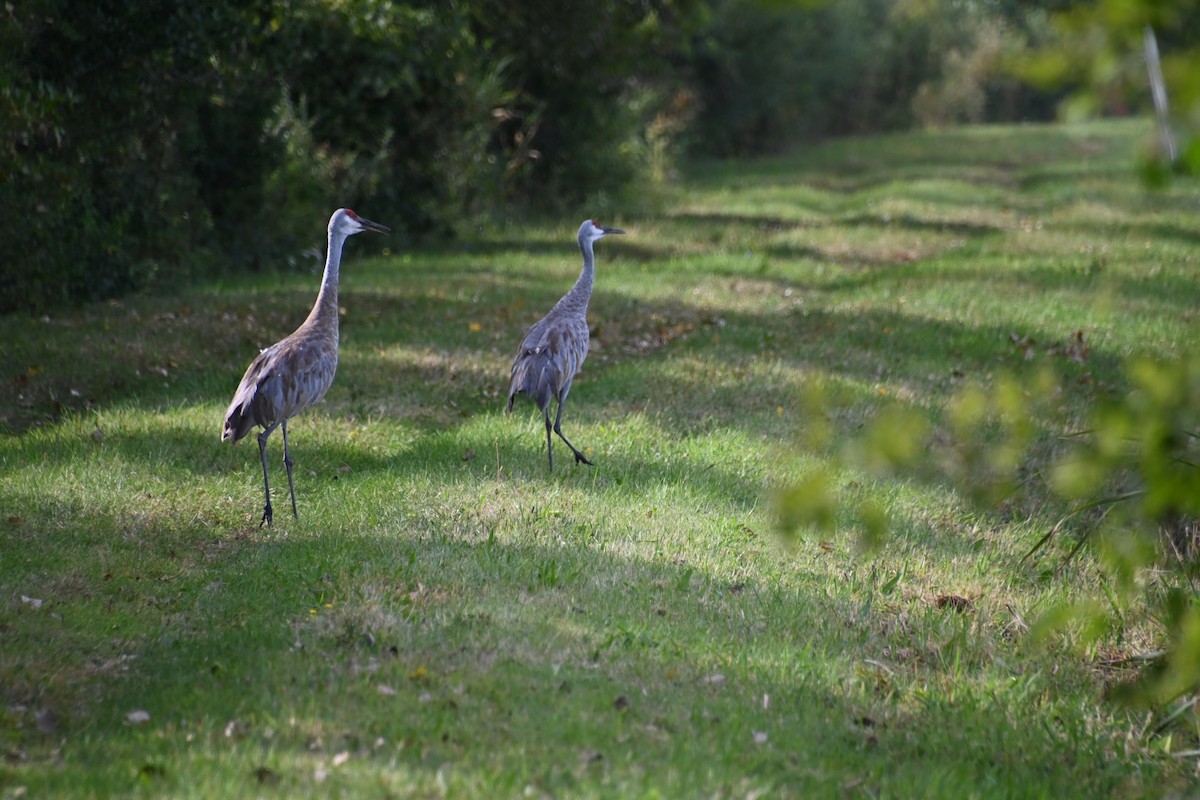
{"x": 447, "y": 618}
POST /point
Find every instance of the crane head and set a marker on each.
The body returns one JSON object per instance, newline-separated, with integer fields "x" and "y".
{"x": 346, "y": 222}
{"x": 591, "y": 230}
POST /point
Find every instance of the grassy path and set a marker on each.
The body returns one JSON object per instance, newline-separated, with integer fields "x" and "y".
{"x": 446, "y": 619}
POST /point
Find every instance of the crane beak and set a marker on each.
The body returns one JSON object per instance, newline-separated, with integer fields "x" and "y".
{"x": 373, "y": 226}
{"x": 612, "y": 230}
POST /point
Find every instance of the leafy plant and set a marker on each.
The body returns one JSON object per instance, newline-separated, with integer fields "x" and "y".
{"x": 768, "y": 73}
{"x": 1131, "y": 480}
{"x": 1098, "y": 53}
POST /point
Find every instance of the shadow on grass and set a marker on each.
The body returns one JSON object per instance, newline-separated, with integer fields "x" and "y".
{"x": 1148, "y": 231}
{"x": 513, "y": 665}
{"x": 439, "y": 379}
{"x": 540, "y": 657}
{"x": 151, "y": 356}
{"x": 773, "y": 224}
{"x": 975, "y": 152}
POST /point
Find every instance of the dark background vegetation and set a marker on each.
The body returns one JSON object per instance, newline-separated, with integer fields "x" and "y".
{"x": 146, "y": 142}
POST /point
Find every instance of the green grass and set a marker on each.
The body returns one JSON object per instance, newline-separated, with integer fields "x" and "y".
{"x": 446, "y": 618}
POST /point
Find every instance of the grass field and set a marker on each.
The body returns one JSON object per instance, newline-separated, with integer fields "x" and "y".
{"x": 445, "y": 618}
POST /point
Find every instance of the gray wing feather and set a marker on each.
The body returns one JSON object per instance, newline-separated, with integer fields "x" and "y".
{"x": 282, "y": 381}
{"x": 550, "y": 356}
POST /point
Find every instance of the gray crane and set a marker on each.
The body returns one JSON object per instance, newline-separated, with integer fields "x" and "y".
{"x": 554, "y": 348}
{"x": 292, "y": 374}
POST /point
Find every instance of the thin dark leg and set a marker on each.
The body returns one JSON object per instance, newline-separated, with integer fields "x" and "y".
{"x": 267, "y": 516}
{"x": 549, "y": 443}
{"x": 287, "y": 462}
{"x": 579, "y": 457}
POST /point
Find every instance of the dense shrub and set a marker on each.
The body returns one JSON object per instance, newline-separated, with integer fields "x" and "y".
{"x": 768, "y": 73}
{"x": 147, "y": 139}
{"x": 588, "y": 84}
{"x": 395, "y": 101}
{"x": 120, "y": 122}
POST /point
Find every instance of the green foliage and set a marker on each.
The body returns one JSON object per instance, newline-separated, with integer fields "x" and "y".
{"x": 392, "y": 103}
{"x": 1150, "y": 434}
{"x": 150, "y": 141}
{"x": 125, "y": 128}
{"x": 1134, "y": 475}
{"x": 980, "y": 447}
{"x": 593, "y": 86}
{"x": 1132, "y": 479}
{"x": 767, "y": 73}
{"x": 1097, "y": 52}
{"x": 1145, "y": 447}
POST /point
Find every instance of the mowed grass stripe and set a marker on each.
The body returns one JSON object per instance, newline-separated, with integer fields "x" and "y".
{"x": 448, "y": 618}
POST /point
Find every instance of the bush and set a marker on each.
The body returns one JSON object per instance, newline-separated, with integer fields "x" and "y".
{"x": 147, "y": 140}
{"x": 589, "y": 90}
{"x": 108, "y": 130}
{"x": 393, "y": 106}
{"x": 153, "y": 140}
{"x": 768, "y": 73}
{"x": 1130, "y": 483}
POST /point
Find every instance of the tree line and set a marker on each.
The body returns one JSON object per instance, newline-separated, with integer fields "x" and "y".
{"x": 149, "y": 141}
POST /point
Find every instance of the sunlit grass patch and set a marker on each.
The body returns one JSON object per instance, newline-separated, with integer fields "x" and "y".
{"x": 447, "y": 616}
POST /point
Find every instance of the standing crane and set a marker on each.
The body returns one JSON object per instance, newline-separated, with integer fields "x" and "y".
{"x": 554, "y": 348}
{"x": 292, "y": 374}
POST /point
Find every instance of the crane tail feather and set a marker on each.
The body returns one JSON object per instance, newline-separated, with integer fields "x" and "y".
{"x": 544, "y": 388}
{"x": 238, "y": 422}
{"x": 240, "y": 418}
{"x": 533, "y": 375}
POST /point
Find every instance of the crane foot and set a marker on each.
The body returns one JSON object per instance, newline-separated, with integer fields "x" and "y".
{"x": 267, "y": 517}
{"x": 581, "y": 459}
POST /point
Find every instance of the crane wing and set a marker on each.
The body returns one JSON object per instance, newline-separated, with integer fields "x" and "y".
{"x": 550, "y": 356}
{"x": 280, "y": 382}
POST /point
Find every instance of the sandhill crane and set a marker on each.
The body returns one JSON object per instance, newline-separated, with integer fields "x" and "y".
{"x": 292, "y": 374}
{"x": 556, "y": 345}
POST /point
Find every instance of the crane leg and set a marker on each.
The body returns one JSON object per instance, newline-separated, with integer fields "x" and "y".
{"x": 579, "y": 457}
{"x": 287, "y": 462}
{"x": 267, "y": 516}
{"x": 549, "y": 442}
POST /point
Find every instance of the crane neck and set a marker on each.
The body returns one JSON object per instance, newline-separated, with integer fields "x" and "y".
{"x": 581, "y": 292}
{"x": 325, "y": 310}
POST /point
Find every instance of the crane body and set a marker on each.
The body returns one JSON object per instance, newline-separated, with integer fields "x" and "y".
{"x": 554, "y": 347}
{"x": 295, "y": 372}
